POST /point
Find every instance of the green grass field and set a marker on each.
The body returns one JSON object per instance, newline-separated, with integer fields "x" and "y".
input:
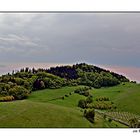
{"x": 126, "y": 97}
{"x": 40, "y": 110}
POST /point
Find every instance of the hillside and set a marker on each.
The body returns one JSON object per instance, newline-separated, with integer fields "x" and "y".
{"x": 45, "y": 108}
{"x": 80, "y": 96}
{"x": 40, "y": 110}
{"x": 125, "y": 96}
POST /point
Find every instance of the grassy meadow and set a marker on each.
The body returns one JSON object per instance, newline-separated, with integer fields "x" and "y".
{"x": 126, "y": 96}
{"x": 44, "y": 108}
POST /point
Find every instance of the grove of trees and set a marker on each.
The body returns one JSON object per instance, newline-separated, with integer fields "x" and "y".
{"x": 18, "y": 85}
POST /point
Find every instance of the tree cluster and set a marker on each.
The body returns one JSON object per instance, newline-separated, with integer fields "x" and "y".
{"x": 89, "y": 75}
{"x": 20, "y": 83}
{"x": 82, "y": 91}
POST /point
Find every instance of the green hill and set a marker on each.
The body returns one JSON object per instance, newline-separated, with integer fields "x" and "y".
{"x": 52, "y": 96}
{"x": 44, "y": 109}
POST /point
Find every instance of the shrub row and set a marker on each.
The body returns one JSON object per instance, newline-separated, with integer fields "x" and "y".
{"x": 102, "y": 99}
{"x": 102, "y": 105}
{"x": 84, "y": 103}
{"x": 6, "y": 98}
{"x": 83, "y": 91}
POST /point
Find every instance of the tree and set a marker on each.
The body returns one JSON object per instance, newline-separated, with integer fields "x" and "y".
{"x": 33, "y": 70}
{"x": 89, "y": 99}
{"x": 36, "y": 84}
{"x": 19, "y": 81}
{"x": 26, "y": 69}
{"x": 90, "y": 114}
{"x": 82, "y": 103}
{"x": 27, "y": 85}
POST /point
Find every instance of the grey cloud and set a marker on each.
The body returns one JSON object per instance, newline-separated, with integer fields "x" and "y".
{"x": 68, "y": 38}
{"x": 13, "y": 44}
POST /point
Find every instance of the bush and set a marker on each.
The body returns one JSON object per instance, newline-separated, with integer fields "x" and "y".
{"x": 89, "y": 106}
{"x": 82, "y": 91}
{"x": 79, "y": 90}
{"x": 102, "y": 98}
{"x": 42, "y": 85}
{"x": 134, "y": 123}
{"x": 71, "y": 82}
{"x": 4, "y": 93}
{"x": 19, "y": 81}
{"x": 90, "y": 114}
{"x": 82, "y": 103}
{"x": 4, "y": 87}
{"x": 86, "y": 93}
{"x": 53, "y": 82}
{"x": 38, "y": 84}
{"x": 110, "y": 120}
{"x": 6, "y": 98}
{"x": 103, "y": 105}
{"x": 27, "y": 85}
{"x": 89, "y": 99}
{"x": 19, "y": 92}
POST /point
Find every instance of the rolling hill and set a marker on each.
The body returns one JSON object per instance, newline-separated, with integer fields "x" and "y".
{"x": 46, "y": 98}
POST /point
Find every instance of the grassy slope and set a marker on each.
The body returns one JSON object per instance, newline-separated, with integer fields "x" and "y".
{"x": 39, "y": 110}
{"x": 49, "y": 94}
{"x": 35, "y": 114}
{"x": 126, "y": 97}
{"x": 70, "y": 102}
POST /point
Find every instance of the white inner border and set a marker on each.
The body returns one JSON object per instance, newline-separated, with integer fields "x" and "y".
{"x": 69, "y": 5}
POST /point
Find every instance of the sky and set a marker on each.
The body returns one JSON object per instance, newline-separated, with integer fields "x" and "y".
{"x": 111, "y": 39}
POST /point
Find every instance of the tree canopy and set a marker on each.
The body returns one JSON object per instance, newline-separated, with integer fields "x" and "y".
{"x": 18, "y": 85}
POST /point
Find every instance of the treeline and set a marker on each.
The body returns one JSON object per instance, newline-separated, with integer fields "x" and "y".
{"x": 88, "y": 75}
{"x": 20, "y": 84}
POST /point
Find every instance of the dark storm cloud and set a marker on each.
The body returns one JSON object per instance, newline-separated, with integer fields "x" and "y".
{"x": 67, "y": 38}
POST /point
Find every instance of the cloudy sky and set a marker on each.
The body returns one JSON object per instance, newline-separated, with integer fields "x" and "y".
{"x": 97, "y": 38}
{"x": 112, "y": 39}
